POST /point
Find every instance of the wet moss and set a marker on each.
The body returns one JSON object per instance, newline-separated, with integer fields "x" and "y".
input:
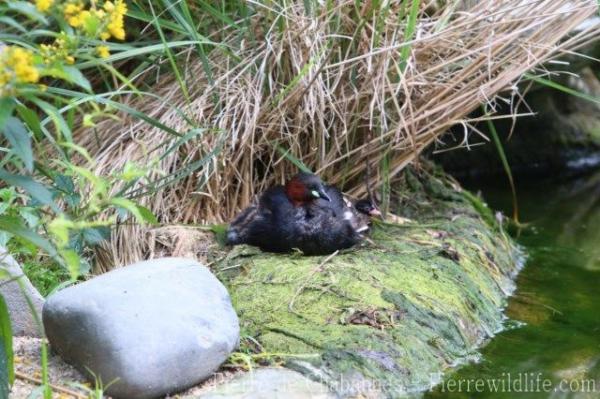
{"x": 383, "y": 317}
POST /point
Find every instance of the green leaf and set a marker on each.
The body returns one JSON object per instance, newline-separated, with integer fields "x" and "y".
{"x": 7, "y": 371}
{"x": 28, "y": 9}
{"x": 138, "y": 211}
{"x": 98, "y": 184}
{"x": 55, "y": 116}
{"x": 20, "y": 140}
{"x": 286, "y": 154}
{"x": 30, "y": 215}
{"x": 84, "y": 98}
{"x": 31, "y": 120}
{"x": 506, "y": 166}
{"x": 81, "y": 150}
{"x": 16, "y": 227}
{"x": 76, "y": 77}
{"x": 95, "y": 235}
{"x": 7, "y": 105}
{"x": 192, "y": 134}
{"x": 37, "y": 191}
{"x": 69, "y": 74}
{"x": 564, "y": 89}
{"x": 147, "y": 214}
{"x": 91, "y": 25}
{"x": 64, "y": 183}
{"x": 138, "y": 51}
{"x": 8, "y": 194}
{"x": 12, "y": 22}
{"x": 66, "y": 190}
{"x": 171, "y": 58}
{"x": 59, "y": 229}
{"x": 132, "y": 172}
{"x": 73, "y": 263}
{"x": 408, "y": 33}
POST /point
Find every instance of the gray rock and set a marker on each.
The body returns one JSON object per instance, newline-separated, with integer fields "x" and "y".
{"x": 270, "y": 383}
{"x": 15, "y": 290}
{"x": 158, "y": 327}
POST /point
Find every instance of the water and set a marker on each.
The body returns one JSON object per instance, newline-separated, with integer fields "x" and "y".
{"x": 552, "y": 347}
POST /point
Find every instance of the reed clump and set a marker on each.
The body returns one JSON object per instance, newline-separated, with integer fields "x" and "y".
{"x": 333, "y": 87}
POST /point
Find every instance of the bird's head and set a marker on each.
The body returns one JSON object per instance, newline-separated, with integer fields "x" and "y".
{"x": 305, "y": 187}
{"x": 367, "y": 207}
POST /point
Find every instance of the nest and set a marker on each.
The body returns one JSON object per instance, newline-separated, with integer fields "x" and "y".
{"x": 334, "y": 88}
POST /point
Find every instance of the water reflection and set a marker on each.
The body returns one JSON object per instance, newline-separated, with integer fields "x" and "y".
{"x": 581, "y": 230}
{"x": 557, "y": 298}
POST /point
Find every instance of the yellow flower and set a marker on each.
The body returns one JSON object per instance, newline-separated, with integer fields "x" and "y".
{"x": 71, "y": 9}
{"x": 16, "y": 65}
{"x": 111, "y": 17}
{"x": 116, "y": 24}
{"x": 109, "y": 6}
{"x": 78, "y": 20}
{"x": 99, "y": 13}
{"x": 21, "y": 61}
{"x": 43, "y": 5}
{"x": 73, "y": 14}
{"x": 103, "y": 51}
{"x": 59, "y": 50}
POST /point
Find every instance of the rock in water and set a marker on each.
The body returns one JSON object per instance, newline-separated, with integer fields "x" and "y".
{"x": 158, "y": 327}
{"x": 15, "y": 290}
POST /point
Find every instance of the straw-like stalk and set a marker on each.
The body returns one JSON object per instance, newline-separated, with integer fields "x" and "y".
{"x": 332, "y": 87}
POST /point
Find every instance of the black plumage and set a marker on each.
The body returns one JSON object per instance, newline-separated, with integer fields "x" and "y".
{"x": 305, "y": 214}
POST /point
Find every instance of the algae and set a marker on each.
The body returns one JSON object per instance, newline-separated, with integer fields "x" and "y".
{"x": 384, "y": 318}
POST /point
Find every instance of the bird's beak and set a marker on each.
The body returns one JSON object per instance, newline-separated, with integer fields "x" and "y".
{"x": 374, "y": 212}
{"x": 321, "y": 194}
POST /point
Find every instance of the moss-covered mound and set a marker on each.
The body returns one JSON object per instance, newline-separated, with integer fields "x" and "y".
{"x": 382, "y": 318}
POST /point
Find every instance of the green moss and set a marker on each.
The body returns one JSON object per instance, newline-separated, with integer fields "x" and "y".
{"x": 412, "y": 302}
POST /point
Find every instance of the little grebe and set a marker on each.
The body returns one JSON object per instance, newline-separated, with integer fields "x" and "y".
{"x": 304, "y": 214}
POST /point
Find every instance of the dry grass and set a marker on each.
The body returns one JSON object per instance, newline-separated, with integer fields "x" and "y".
{"x": 334, "y": 90}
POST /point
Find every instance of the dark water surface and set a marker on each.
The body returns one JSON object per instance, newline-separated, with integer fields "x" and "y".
{"x": 552, "y": 349}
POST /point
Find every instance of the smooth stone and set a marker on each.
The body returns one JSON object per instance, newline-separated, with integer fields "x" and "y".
{"x": 15, "y": 290}
{"x": 158, "y": 327}
{"x": 270, "y": 383}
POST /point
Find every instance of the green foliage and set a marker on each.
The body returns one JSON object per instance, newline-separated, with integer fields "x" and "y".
{"x": 46, "y": 389}
{"x": 50, "y": 203}
{"x": 45, "y": 276}
{"x": 54, "y": 207}
{"x": 506, "y": 166}
{"x": 409, "y": 31}
{"x": 20, "y": 140}
{"x": 97, "y": 392}
{"x": 64, "y": 233}
{"x": 562, "y": 88}
{"x": 7, "y": 374}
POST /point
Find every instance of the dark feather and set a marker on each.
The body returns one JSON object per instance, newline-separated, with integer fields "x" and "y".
{"x": 315, "y": 227}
